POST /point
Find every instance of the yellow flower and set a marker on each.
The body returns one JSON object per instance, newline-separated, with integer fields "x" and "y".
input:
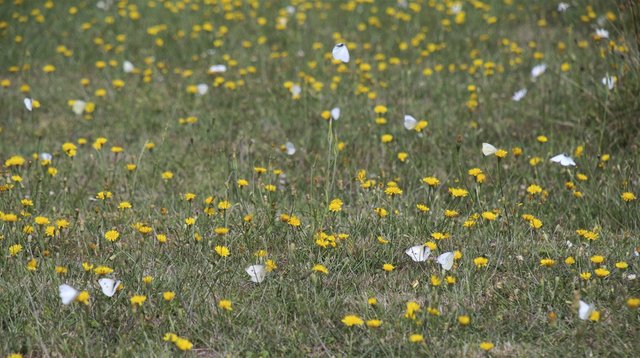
{"x": 386, "y": 138}
{"x": 464, "y": 320}
{"x": 124, "y": 205}
{"x": 633, "y": 303}
{"x": 628, "y": 196}
{"x": 489, "y": 216}
{"x": 225, "y": 305}
{"x": 335, "y": 205}
{"x": 352, "y": 320}
{"x": 388, "y": 267}
{"x": 32, "y": 265}
{"x": 224, "y": 205}
{"x": 374, "y": 323}
{"x": 103, "y": 270}
{"x": 585, "y": 275}
{"x": 597, "y": 259}
{"x": 222, "y": 251}
{"x": 15, "y": 249}
{"x": 486, "y": 346}
{"x": 534, "y": 189}
{"x": 147, "y": 279}
{"x": 111, "y": 235}
{"x": 435, "y": 280}
{"x": 547, "y": 262}
{"x": 570, "y": 260}
{"x": 412, "y": 308}
{"x": 480, "y": 261}
{"x": 542, "y": 139}
{"x": 431, "y": 181}
{"x": 242, "y": 183}
{"x": 372, "y": 301}
{"x": 621, "y": 265}
{"x": 416, "y": 338}
{"x": 83, "y": 297}
{"x": 138, "y": 300}
{"x": 501, "y": 153}
{"x": 380, "y": 109}
{"x": 458, "y": 192}
{"x": 168, "y": 295}
{"x": 320, "y": 268}
{"x": 602, "y": 272}
{"x": 183, "y": 344}
{"x": 167, "y": 175}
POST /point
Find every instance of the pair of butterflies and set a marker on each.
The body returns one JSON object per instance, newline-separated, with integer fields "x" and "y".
{"x": 562, "y": 159}
{"x": 420, "y": 253}
{"x": 108, "y": 286}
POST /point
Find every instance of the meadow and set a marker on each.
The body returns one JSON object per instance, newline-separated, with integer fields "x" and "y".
{"x": 214, "y": 178}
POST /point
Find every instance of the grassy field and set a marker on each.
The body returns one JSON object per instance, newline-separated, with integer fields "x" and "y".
{"x": 139, "y": 159}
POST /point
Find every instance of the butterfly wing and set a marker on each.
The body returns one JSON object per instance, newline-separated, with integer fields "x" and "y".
{"x": 28, "y": 104}
{"x": 341, "y": 53}
{"x": 409, "y": 122}
{"x": 108, "y": 286}
{"x": 446, "y": 260}
{"x": 335, "y": 113}
{"x": 67, "y": 294}
{"x": 585, "y": 310}
{"x": 257, "y": 273}
{"x": 488, "y": 149}
{"x": 418, "y": 253}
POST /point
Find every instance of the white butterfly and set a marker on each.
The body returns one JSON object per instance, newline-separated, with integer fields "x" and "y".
{"x": 446, "y": 260}
{"x": 78, "y": 106}
{"x": 562, "y": 7}
{"x": 488, "y": 149}
{"x": 418, "y": 253}
{"x": 109, "y": 286}
{"x": 341, "y": 53}
{"x": 538, "y": 70}
{"x": 290, "y": 10}
{"x": 68, "y": 294}
{"x": 46, "y": 156}
{"x": 28, "y": 103}
{"x": 518, "y": 95}
{"x": 290, "y": 147}
{"x": 563, "y": 160}
{"x": 296, "y": 90}
{"x": 256, "y": 272}
{"x": 127, "y": 67}
{"x": 609, "y": 81}
{"x": 585, "y": 310}
{"x": 335, "y": 113}
{"x": 456, "y": 8}
{"x": 602, "y": 33}
{"x": 217, "y": 69}
{"x": 202, "y": 89}
{"x": 409, "y": 122}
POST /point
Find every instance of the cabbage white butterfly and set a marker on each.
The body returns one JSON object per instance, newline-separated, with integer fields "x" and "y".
{"x": 290, "y": 148}
{"x": 257, "y": 273}
{"x": 563, "y": 160}
{"x": 217, "y": 69}
{"x": 78, "y": 106}
{"x": 488, "y": 149}
{"x": 446, "y": 260}
{"x": 68, "y": 294}
{"x": 202, "y": 89}
{"x": 518, "y": 95}
{"x": 609, "y": 81}
{"x": 409, "y": 122}
{"x": 585, "y": 310}
{"x": 46, "y": 156}
{"x": 562, "y": 7}
{"x": 109, "y": 286}
{"x": 127, "y": 67}
{"x": 418, "y": 253}
{"x": 538, "y": 70}
{"x": 28, "y": 103}
{"x": 335, "y": 113}
{"x": 341, "y": 53}
{"x": 296, "y": 90}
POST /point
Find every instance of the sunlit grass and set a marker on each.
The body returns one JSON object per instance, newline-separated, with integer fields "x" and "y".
{"x": 465, "y": 184}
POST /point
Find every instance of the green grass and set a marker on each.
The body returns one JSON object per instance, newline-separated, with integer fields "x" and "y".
{"x": 296, "y": 311}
